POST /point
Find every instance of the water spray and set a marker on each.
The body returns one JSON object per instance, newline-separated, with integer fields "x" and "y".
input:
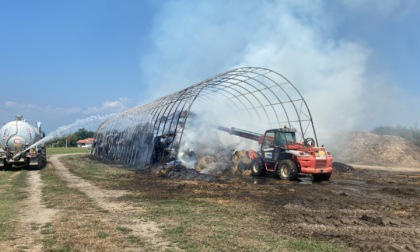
{"x": 66, "y": 130}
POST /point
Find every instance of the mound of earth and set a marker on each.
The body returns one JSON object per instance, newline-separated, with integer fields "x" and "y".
{"x": 372, "y": 149}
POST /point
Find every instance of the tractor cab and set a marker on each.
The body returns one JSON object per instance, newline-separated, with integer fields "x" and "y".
{"x": 280, "y": 138}
{"x": 277, "y": 141}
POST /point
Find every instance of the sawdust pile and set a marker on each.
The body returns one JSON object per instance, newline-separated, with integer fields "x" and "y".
{"x": 372, "y": 149}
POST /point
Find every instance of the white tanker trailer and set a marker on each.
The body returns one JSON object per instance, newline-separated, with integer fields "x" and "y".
{"x": 17, "y": 139}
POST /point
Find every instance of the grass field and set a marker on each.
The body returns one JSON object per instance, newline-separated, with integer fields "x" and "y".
{"x": 81, "y": 225}
{"x": 194, "y": 221}
{"x": 12, "y": 191}
{"x": 189, "y": 216}
{"x": 69, "y": 150}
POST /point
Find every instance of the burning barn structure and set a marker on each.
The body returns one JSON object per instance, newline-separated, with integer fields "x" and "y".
{"x": 169, "y": 128}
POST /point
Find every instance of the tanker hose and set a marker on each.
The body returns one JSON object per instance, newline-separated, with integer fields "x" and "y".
{"x": 18, "y": 155}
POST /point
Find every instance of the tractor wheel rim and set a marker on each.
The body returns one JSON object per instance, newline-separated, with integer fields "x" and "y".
{"x": 255, "y": 167}
{"x": 284, "y": 171}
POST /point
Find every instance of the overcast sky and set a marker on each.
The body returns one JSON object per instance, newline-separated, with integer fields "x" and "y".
{"x": 356, "y": 62}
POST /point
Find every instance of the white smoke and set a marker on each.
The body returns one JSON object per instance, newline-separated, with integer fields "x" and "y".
{"x": 299, "y": 39}
{"x": 203, "y": 142}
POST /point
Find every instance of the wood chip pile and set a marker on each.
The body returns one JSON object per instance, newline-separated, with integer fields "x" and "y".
{"x": 371, "y": 149}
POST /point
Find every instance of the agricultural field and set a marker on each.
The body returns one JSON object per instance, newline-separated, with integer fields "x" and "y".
{"x": 78, "y": 203}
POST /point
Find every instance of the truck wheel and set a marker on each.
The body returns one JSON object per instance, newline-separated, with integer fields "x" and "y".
{"x": 257, "y": 167}
{"x": 39, "y": 164}
{"x": 34, "y": 167}
{"x": 8, "y": 166}
{"x": 44, "y": 158}
{"x": 287, "y": 169}
{"x": 321, "y": 176}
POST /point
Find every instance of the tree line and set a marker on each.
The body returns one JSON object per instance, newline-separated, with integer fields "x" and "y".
{"x": 409, "y": 134}
{"x": 71, "y": 140}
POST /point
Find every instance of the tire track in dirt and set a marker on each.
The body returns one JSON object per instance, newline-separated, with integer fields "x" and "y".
{"x": 369, "y": 212}
{"x": 33, "y": 215}
{"x": 120, "y": 213}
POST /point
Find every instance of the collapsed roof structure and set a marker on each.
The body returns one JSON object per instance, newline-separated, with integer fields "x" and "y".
{"x": 249, "y": 97}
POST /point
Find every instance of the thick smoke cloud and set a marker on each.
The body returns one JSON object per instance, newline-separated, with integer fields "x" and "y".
{"x": 195, "y": 40}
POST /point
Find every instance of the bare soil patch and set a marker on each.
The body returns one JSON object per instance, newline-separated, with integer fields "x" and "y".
{"x": 119, "y": 213}
{"x": 364, "y": 209}
{"x": 33, "y": 215}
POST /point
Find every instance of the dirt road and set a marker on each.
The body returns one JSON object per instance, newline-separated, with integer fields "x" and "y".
{"x": 34, "y": 214}
{"x": 119, "y": 212}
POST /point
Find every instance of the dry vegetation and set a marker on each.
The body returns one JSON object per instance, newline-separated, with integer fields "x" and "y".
{"x": 93, "y": 206}
{"x": 361, "y": 209}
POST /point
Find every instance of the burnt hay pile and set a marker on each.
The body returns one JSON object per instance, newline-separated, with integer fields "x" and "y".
{"x": 179, "y": 171}
{"x": 362, "y": 148}
{"x": 208, "y": 166}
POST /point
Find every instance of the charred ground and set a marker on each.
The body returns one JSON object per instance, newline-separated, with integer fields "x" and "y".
{"x": 361, "y": 208}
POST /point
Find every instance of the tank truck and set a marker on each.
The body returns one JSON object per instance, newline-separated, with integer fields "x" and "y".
{"x": 17, "y": 145}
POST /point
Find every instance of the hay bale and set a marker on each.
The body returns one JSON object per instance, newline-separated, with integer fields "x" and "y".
{"x": 204, "y": 162}
{"x": 241, "y": 162}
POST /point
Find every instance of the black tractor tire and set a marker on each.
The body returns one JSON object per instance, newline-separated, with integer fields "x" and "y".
{"x": 321, "y": 176}
{"x": 44, "y": 158}
{"x": 8, "y": 166}
{"x": 257, "y": 167}
{"x": 287, "y": 170}
{"x": 34, "y": 167}
{"x": 41, "y": 161}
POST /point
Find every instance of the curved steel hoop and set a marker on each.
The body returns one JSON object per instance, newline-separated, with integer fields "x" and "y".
{"x": 134, "y": 137}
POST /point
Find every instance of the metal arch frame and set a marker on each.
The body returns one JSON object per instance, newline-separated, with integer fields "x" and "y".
{"x": 243, "y": 87}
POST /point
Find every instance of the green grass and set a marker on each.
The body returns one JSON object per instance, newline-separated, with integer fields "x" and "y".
{"x": 193, "y": 223}
{"x": 124, "y": 230}
{"x": 47, "y": 229}
{"x": 69, "y": 150}
{"x": 79, "y": 214}
{"x": 136, "y": 240}
{"x": 102, "y": 235}
{"x": 49, "y": 242}
{"x": 12, "y": 190}
{"x": 98, "y": 173}
{"x": 55, "y": 191}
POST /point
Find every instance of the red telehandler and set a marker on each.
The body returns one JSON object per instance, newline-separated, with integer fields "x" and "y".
{"x": 280, "y": 154}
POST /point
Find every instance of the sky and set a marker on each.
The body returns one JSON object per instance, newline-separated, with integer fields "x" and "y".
{"x": 355, "y": 62}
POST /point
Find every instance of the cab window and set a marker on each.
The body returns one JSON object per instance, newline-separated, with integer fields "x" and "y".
{"x": 290, "y": 137}
{"x": 268, "y": 140}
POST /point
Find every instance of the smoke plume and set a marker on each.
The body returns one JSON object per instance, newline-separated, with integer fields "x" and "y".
{"x": 299, "y": 39}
